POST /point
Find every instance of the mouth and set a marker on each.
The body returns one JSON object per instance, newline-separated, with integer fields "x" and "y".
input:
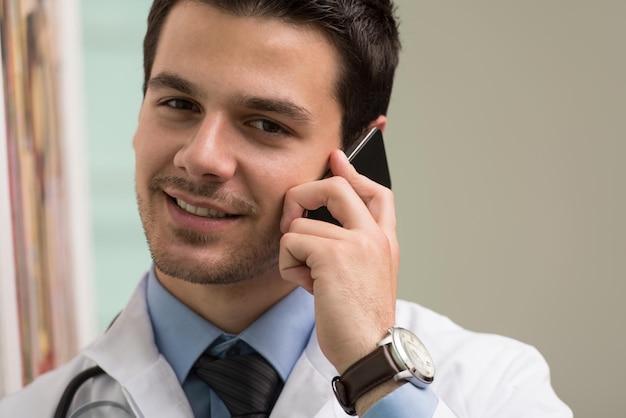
{"x": 199, "y": 211}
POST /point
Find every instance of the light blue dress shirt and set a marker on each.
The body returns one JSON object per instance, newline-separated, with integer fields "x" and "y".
{"x": 280, "y": 335}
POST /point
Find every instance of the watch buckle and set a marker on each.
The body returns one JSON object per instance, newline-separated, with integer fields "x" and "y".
{"x": 340, "y": 394}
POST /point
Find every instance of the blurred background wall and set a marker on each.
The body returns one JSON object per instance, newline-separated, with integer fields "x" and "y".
{"x": 44, "y": 245}
{"x": 112, "y": 36}
{"x": 507, "y": 142}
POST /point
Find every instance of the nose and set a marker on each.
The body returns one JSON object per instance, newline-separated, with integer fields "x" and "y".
{"x": 208, "y": 154}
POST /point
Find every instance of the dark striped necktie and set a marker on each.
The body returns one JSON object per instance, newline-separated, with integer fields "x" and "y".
{"x": 247, "y": 384}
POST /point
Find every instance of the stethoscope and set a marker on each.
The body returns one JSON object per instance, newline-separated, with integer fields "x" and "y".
{"x": 63, "y": 407}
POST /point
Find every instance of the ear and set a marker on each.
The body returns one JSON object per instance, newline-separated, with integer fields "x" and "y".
{"x": 380, "y": 123}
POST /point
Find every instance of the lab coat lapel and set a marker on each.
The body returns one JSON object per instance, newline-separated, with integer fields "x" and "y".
{"x": 307, "y": 392}
{"x": 127, "y": 353}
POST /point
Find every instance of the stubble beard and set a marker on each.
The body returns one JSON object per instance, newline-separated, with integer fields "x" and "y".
{"x": 250, "y": 259}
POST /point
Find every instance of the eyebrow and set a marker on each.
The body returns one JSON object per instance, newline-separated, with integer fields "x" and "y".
{"x": 166, "y": 80}
{"x": 283, "y": 107}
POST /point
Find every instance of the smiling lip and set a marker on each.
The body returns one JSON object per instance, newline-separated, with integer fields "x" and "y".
{"x": 199, "y": 211}
{"x": 199, "y": 217}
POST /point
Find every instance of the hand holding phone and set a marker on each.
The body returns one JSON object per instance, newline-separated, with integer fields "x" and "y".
{"x": 368, "y": 158}
{"x": 345, "y": 268}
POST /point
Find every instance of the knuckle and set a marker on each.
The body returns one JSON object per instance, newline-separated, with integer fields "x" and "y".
{"x": 286, "y": 239}
{"x": 384, "y": 193}
{"x": 290, "y": 194}
{"x": 339, "y": 182}
{"x": 296, "y": 224}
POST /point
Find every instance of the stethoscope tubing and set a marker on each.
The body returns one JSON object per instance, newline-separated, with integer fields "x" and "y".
{"x": 65, "y": 402}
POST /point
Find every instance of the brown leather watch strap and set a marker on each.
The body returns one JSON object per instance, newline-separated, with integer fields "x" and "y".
{"x": 363, "y": 376}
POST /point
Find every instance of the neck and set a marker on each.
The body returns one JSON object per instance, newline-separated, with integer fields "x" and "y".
{"x": 230, "y": 307}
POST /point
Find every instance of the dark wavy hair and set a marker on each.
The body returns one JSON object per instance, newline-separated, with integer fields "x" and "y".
{"x": 364, "y": 32}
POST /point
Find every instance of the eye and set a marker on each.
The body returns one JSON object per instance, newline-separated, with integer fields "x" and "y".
{"x": 268, "y": 126}
{"x": 180, "y": 104}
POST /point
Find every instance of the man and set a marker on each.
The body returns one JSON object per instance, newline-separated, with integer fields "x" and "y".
{"x": 246, "y": 106}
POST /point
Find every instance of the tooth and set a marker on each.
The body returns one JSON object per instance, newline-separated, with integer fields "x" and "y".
{"x": 202, "y": 212}
{"x": 216, "y": 214}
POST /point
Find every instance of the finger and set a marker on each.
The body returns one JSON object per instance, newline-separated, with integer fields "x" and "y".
{"x": 378, "y": 199}
{"x": 335, "y": 193}
{"x": 297, "y": 258}
{"x": 317, "y": 228}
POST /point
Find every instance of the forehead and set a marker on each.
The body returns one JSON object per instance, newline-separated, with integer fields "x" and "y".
{"x": 269, "y": 54}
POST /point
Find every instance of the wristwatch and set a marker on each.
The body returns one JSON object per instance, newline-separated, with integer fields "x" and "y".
{"x": 400, "y": 355}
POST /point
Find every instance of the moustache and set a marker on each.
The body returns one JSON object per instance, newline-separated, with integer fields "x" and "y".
{"x": 214, "y": 191}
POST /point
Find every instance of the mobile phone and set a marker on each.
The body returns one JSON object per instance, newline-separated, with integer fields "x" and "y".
{"x": 369, "y": 158}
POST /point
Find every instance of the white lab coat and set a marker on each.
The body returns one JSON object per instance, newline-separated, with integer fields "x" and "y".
{"x": 477, "y": 375}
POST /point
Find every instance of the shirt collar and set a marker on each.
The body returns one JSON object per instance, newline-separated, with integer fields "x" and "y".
{"x": 280, "y": 334}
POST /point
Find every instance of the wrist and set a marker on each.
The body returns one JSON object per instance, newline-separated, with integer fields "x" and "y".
{"x": 368, "y": 399}
{"x": 399, "y": 357}
{"x": 355, "y": 353}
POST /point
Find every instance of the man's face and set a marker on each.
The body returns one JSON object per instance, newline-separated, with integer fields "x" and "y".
{"x": 237, "y": 111}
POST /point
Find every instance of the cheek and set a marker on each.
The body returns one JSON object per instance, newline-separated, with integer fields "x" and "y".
{"x": 143, "y": 165}
{"x": 271, "y": 180}
{"x": 152, "y": 154}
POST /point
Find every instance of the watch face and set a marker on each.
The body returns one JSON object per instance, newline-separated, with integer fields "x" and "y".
{"x": 414, "y": 354}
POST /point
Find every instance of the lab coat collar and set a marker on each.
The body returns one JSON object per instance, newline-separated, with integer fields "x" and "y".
{"x": 307, "y": 392}
{"x": 129, "y": 355}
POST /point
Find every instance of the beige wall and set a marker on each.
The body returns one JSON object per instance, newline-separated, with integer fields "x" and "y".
{"x": 507, "y": 144}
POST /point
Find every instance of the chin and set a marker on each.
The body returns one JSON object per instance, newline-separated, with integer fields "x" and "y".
{"x": 235, "y": 266}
